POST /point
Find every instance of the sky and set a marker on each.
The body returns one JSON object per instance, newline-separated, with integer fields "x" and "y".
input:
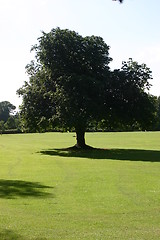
{"x": 130, "y": 29}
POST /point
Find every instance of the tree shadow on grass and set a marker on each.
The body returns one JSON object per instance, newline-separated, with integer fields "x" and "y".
{"x": 10, "y": 235}
{"x": 12, "y": 189}
{"x": 114, "y": 154}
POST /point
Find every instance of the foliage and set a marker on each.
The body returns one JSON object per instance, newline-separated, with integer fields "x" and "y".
{"x": 158, "y": 114}
{"x": 10, "y": 121}
{"x": 71, "y": 85}
{"x": 6, "y": 108}
{"x": 2, "y": 126}
{"x": 69, "y": 77}
{"x": 131, "y": 103}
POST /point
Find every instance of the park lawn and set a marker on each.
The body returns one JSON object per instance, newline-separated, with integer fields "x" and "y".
{"x": 47, "y": 192}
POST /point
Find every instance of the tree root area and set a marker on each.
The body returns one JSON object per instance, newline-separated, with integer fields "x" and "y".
{"x": 79, "y": 148}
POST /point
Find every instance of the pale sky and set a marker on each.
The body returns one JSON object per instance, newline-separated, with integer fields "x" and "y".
{"x": 130, "y": 29}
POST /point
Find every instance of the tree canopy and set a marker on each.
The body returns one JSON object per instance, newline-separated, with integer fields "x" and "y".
{"x": 6, "y": 108}
{"x": 71, "y": 84}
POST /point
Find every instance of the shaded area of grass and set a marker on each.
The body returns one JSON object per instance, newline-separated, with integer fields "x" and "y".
{"x": 115, "y": 154}
{"x": 10, "y": 235}
{"x": 15, "y": 188}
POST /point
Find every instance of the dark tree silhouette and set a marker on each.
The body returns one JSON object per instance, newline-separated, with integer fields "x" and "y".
{"x": 71, "y": 85}
{"x": 6, "y": 108}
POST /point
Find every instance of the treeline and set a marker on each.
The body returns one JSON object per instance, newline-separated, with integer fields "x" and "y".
{"x": 11, "y": 122}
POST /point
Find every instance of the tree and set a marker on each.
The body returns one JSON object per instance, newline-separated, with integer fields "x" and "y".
{"x": 11, "y": 123}
{"x": 65, "y": 80}
{"x": 6, "y": 108}
{"x": 70, "y": 83}
{"x": 2, "y": 128}
{"x": 130, "y": 101}
{"x": 158, "y": 113}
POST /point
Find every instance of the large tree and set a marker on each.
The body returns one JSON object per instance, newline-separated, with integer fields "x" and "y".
{"x": 71, "y": 84}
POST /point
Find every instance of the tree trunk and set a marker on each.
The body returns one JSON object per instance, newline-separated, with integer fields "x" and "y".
{"x": 80, "y": 137}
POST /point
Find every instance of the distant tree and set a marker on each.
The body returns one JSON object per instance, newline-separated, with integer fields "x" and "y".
{"x": 71, "y": 85}
{"x": 6, "y": 108}
{"x": 158, "y": 113}
{"x": 133, "y": 101}
{"x": 11, "y": 123}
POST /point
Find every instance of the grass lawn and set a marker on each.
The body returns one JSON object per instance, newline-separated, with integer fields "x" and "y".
{"x": 47, "y": 192}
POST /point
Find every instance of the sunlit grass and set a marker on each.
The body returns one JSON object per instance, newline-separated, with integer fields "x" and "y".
{"x": 111, "y": 192}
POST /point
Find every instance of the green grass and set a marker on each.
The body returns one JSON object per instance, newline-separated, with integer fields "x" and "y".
{"x": 47, "y": 192}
